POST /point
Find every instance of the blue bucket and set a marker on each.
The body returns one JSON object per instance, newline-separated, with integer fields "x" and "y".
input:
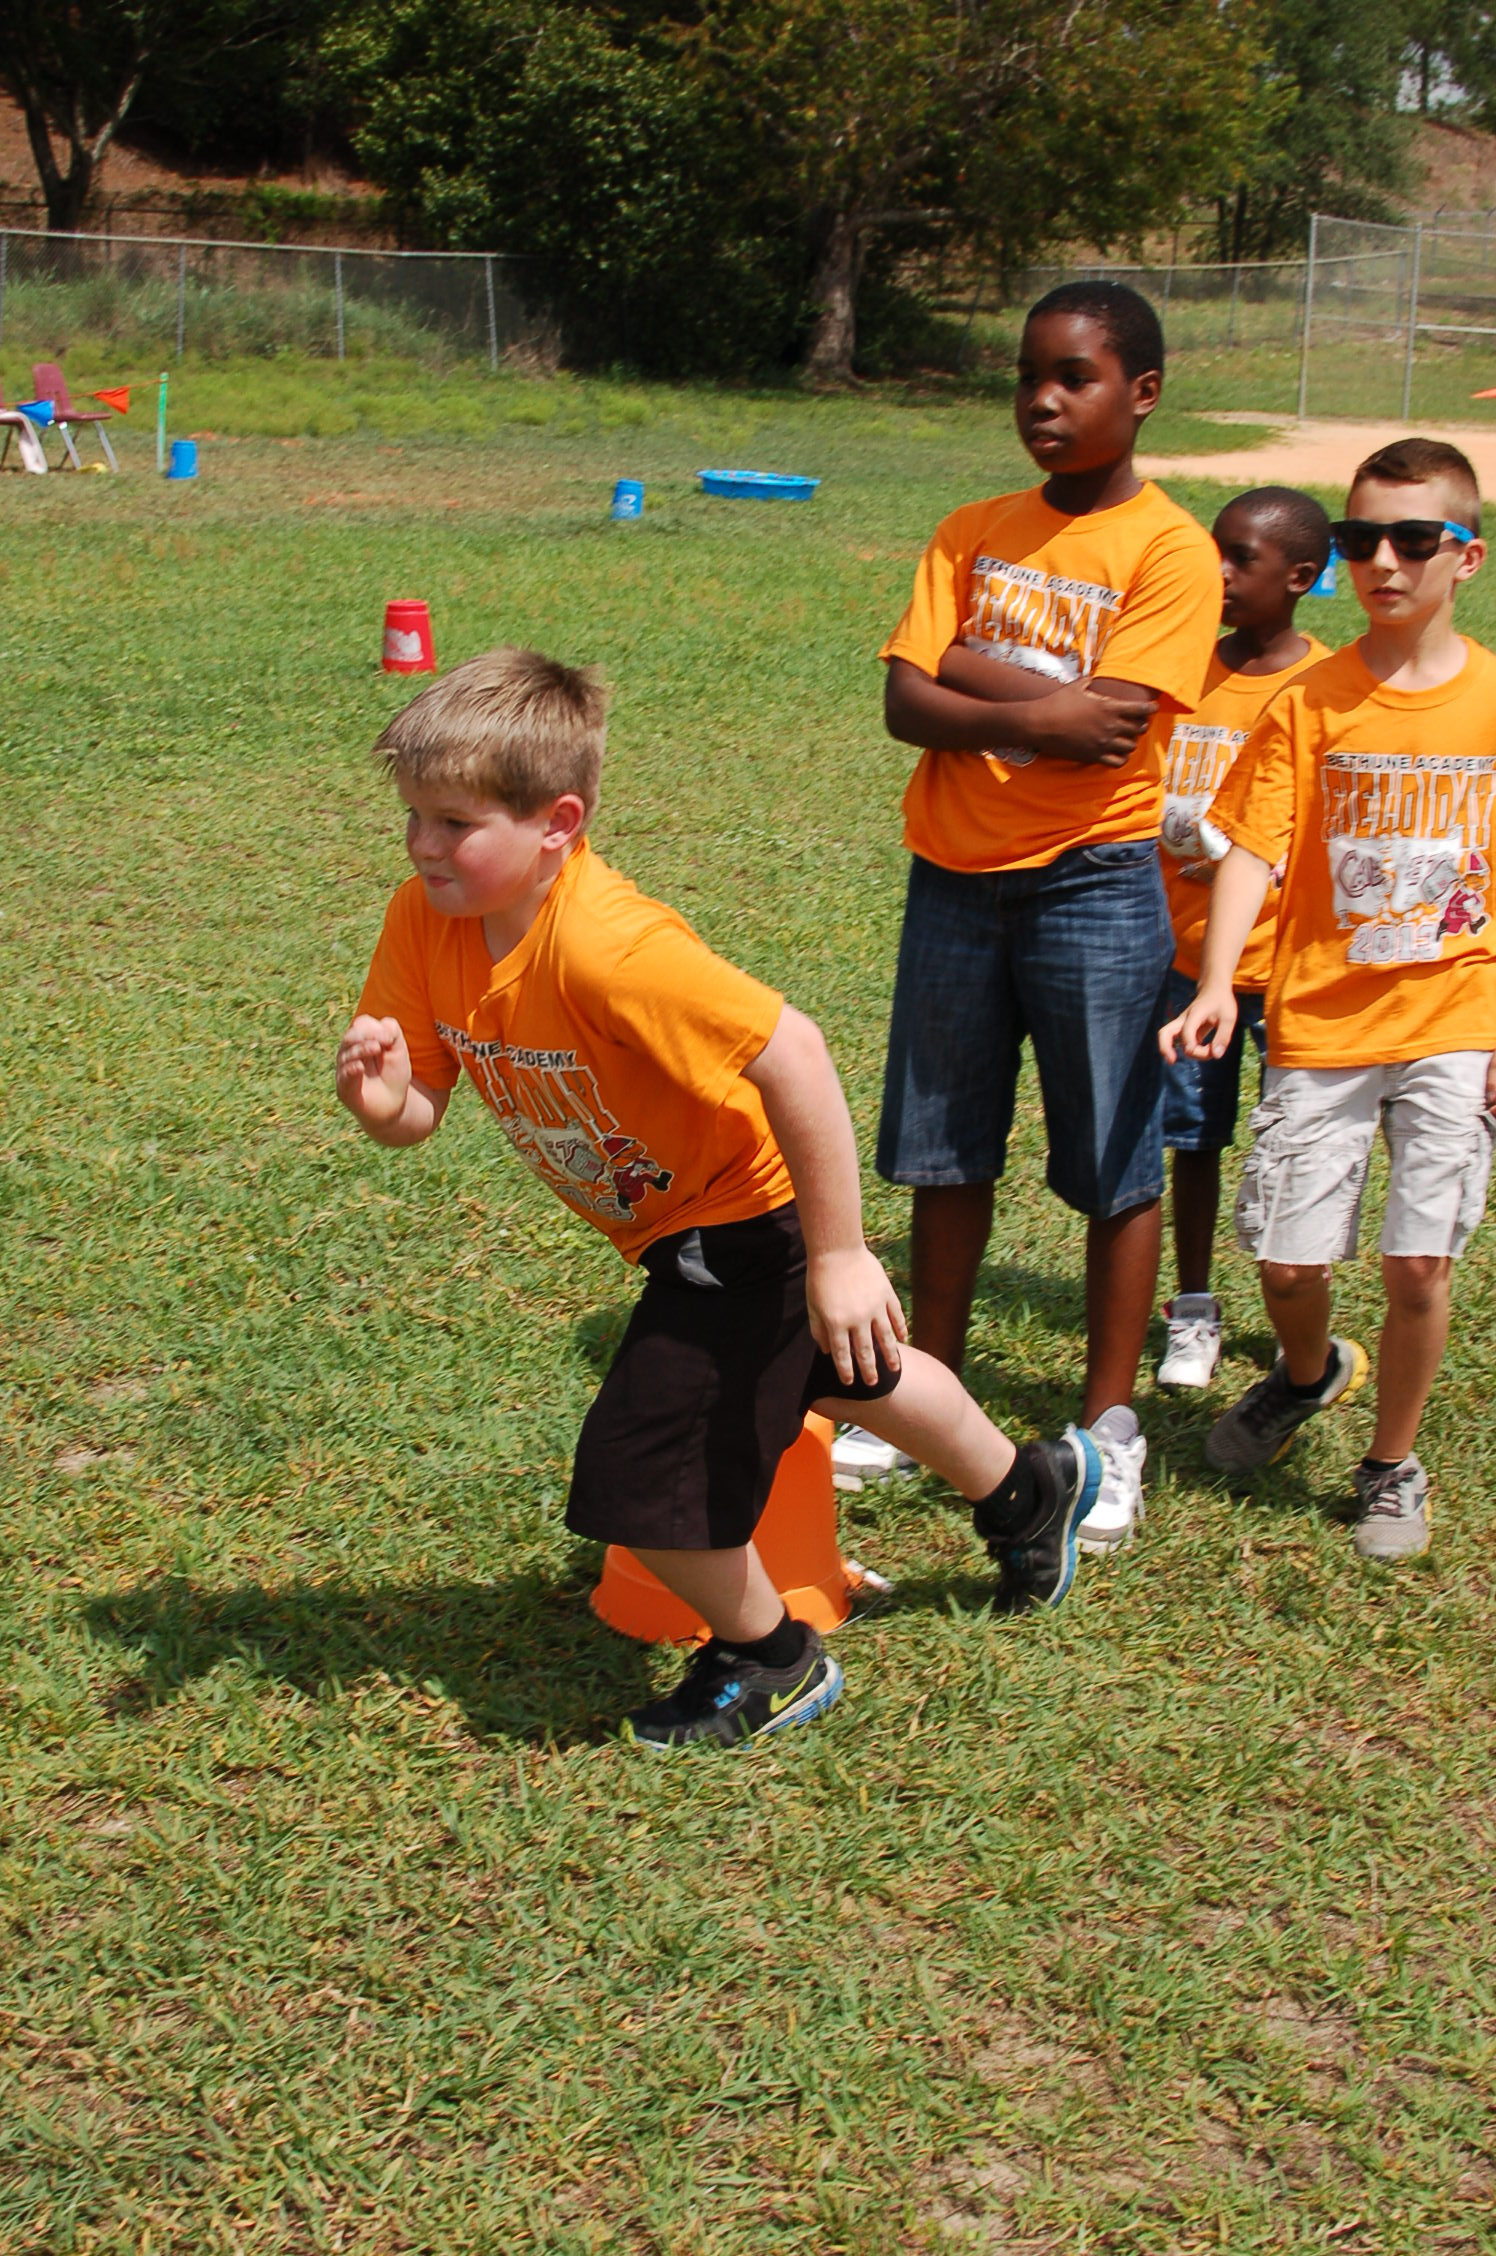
{"x": 183, "y": 459}
{"x": 40, "y": 412}
{"x": 628, "y": 499}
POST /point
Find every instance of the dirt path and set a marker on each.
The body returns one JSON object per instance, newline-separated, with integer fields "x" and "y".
{"x": 1319, "y": 454}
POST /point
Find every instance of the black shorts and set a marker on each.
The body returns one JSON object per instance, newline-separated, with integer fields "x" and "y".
{"x": 708, "y": 1389}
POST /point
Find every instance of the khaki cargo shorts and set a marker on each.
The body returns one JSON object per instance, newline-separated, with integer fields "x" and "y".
{"x": 1301, "y": 1189}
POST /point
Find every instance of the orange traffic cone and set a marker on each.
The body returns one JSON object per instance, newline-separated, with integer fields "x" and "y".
{"x": 796, "y": 1540}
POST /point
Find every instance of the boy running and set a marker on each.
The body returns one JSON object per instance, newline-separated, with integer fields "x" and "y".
{"x": 697, "y": 1120}
{"x": 1374, "y": 773}
{"x": 1045, "y": 630}
{"x": 1273, "y": 543}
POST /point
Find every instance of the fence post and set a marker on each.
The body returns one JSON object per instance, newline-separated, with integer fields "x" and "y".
{"x": 970, "y": 318}
{"x": 1308, "y": 316}
{"x": 493, "y": 324}
{"x": 1235, "y": 291}
{"x": 337, "y": 286}
{"x": 181, "y": 296}
{"x": 1168, "y": 286}
{"x": 1407, "y": 403}
{"x": 4, "y": 240}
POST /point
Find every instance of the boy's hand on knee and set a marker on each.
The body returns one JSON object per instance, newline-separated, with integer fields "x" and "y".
{"x": 854, "y": 1311}
{"x": 1203, "y": 1030}
{"x": 374, "y": 1070}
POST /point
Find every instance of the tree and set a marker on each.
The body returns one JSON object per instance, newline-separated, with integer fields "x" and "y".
{"x": 1014, "y": 122}
{"x": 77, "y": 68}
{"x": 1325, "y": 93}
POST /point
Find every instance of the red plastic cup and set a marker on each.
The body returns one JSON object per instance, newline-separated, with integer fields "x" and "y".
{"x": 408, "y": 647}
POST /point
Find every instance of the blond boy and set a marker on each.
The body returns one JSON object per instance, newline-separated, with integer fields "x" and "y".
{"x": 696, "y": 1119}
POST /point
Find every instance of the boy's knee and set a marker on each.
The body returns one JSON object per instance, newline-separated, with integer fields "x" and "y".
{"x": 1285, "y": 1278}
{"x": 1417, "y": 1282}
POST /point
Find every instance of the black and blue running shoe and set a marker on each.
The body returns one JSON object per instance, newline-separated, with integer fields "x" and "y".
{"x": 727, "y": 1698}
{"x": 1038, "y": 1566}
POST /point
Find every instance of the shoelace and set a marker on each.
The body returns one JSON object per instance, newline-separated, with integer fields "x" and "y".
{"x": 1387, "y": 1499}
{"x": 1267, "y": 1400}
{"x": 1190, "y": 1332}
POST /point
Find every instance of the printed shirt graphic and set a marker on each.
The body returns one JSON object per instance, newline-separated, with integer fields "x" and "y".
{"x": 609, "y": 1045}
{"x": 1201, "y": 748}
{"x": 1132, "y": 592}
{"x": 1382, "y": 801}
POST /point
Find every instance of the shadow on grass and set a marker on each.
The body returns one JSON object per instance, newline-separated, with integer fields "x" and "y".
{"x": 524, "y": 1659}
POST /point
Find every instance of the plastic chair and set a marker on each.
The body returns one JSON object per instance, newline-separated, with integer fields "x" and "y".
{"x": 52, "y": 384}
{"x": 19, "y": 427}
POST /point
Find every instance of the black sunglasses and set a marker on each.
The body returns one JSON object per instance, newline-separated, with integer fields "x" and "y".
{"x": 1414, "y": 539}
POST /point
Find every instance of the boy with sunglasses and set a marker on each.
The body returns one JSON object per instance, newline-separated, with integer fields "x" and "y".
{"x": 1375, "y": 773}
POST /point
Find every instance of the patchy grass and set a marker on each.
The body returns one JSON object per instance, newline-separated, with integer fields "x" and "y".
{"x": 332, "y": 1918}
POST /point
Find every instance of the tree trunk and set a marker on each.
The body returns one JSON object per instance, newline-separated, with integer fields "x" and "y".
{"x": 66, "y": 193}
{"x": 833, "y": 340}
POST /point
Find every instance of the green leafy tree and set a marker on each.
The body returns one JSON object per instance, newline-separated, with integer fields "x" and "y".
{"x": 78, "y": 68}
{"x": 1325, "y": 98}
{"x": 990, "y": 120}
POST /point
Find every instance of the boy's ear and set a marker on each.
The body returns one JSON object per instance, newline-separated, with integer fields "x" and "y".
{"x": 1301, "y": 579}
{"x": 1145, "y": 392}
{"x": 566, "y": 818}
{"x": 1472, "y": 556}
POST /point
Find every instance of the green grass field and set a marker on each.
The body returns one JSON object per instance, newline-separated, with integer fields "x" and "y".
{"x": 332, "y": 1918}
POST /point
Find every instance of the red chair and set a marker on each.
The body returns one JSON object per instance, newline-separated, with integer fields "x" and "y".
{"x": 52, "y": 384}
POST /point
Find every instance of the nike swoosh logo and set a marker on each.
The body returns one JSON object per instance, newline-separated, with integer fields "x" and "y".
{"x": 781, "y": 1700}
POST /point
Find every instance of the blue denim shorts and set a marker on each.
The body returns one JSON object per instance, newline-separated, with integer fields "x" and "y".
{"x": 1073, "y": 956}
{"x": 1200, "y": 1093}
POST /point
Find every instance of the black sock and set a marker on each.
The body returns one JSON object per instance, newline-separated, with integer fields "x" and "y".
{"x": 1381, "y": 1464}
{"x": 1011, "y": 1510}
{"x": 1315, "y": 1386}
{"x": 780, "y": 1649}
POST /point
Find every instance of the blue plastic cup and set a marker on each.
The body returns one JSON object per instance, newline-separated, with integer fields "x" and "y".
{"x": 183, "y": 459}
{"x": 628, "y": 499}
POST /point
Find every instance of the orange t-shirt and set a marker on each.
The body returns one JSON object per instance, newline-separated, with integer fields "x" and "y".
{"x": 610, "y": 1044}
{"x": 1200, "y": 751}
{"x": 1132, "y": 592}
{"x": 1382, "y": 801}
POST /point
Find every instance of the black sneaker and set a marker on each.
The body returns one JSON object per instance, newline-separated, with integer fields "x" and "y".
{"x": 1259, "y": 1429}
{"x": 724, "y": 1697}
{"x": 1039, "y": 1569}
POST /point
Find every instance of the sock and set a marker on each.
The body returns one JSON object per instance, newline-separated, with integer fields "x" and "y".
{"x": 1381, "y": 1464}
{"x": 1010, "y": 1511}
{"x": 1315, "y": 1386}
{"x": 780, "y": 1649}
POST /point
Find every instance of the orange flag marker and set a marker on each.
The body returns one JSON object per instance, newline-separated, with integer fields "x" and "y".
{"x": 1483, "y": 395}
{"x": 118, "y": 397}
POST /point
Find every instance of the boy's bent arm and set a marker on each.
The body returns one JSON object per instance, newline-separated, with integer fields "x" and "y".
{"x": 377, "y": 1085}
{"x": 1237, "y": 892}
{"x": 1010, "y": 710}
{"x": 852, "y": 1304}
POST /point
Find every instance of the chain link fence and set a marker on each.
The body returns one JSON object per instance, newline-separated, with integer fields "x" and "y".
{"x": 1377, "y": 321}
{"x": 1400, "y": 321}
{"x": 160, "y": 295}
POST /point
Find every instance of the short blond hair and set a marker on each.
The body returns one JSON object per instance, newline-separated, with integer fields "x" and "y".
{"x": 512, "y": 726}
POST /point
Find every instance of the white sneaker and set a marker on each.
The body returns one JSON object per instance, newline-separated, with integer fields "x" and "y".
{"x": 1194, "y": 1347}
{"x": 1194, "y": 1341}
{"x": 1118, "y": 1508}
{"x": 861, "y": 1453}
